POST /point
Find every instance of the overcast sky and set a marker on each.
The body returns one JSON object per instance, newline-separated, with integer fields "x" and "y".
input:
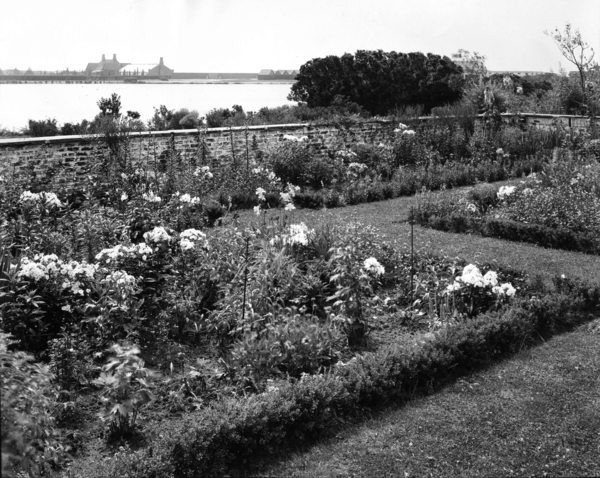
{"x": 248, "y": 35}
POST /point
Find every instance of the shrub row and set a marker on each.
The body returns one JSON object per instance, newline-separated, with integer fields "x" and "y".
{"x": 225, "y": 436}
{"x": 558, "y": 238}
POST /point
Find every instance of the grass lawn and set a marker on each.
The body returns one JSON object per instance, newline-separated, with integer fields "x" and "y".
{"x": 390, "y": 217}
{"x": 533, "y": 415}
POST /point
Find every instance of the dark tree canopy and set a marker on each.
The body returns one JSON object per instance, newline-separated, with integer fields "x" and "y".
{"x": 379, "y": 81}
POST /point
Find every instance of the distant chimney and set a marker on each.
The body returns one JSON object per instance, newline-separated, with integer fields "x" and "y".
{"x": 161, "y": 61}
{"x": 103, "y": 57}
{"x": 114, "y": 57}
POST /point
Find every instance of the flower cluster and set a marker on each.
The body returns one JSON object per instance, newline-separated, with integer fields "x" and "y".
{"x": 151, "y": 197}
{"x": 346, "y": 156}
{"x": 118, "y": 252}
{"x": 471, "y": 276}
{"x": 191, "y": 238}
{"x": 298, "y": 234}
{"x": 373, "y": 267}
{"x": 47, "y": 198}
{"x": 505, "y": 191}
{"x": 121, "y": 282}
{"x": 68, "y": 274}
{"x": 157, "y": 235}
{"x": 356, "y": 169}
{"x": 287, "y": 196}
{"x": 187, "y": 199}
{"x": 295, "y": 139}
{"x": 203, "y": 172}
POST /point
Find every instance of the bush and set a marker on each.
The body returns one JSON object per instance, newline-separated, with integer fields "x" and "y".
{"x": 46, "y": 127}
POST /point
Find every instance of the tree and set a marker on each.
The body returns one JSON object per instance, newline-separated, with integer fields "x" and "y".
{"x": 110, "y": 106}
{"x": 378, "y": 81}
{"x": 579, "y": 53}
{"x": 473, "y": 65}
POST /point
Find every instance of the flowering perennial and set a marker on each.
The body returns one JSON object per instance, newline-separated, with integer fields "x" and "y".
{"x": 49, "y": 199}
{"x": 158, "y": 234}
{"x": 505, "y": 191}
{"x": 118, "y": 252}
{"x": 372, "y": 266}
{"x": 471, "y": 276}
{"x": 151, "y": 197}
{"x": 191, "y": 238}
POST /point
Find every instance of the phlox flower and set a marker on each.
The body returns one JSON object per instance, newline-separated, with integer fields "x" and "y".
{"x": 257, "y": 210}
{"x": 289, "y": 207}
{"x": 490, "y": 278}
{"x": 151, "y": 197}
{"x": 472, "y": 275}
{"x": 505, "y": 191}
{"x": 260, "y": 194}
{"x": 408, "y": 132}
{"x": 158, "y": 234}
{"x": 190, "y": 238}
{"x": 372, "y": 266}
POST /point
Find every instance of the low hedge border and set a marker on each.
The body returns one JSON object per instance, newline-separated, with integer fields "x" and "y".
{"x": 557, "y": 238}
{"x": 226, "y": 436}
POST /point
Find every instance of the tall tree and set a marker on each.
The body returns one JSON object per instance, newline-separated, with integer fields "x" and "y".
{"x": 379, "y": 81}
{"x": 577, "y": 51}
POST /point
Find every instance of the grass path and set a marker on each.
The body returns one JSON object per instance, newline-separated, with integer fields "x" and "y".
{"x": 390, "y": 217}
{"x": 534, "y": 415}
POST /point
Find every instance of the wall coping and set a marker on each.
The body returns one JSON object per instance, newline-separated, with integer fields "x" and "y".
{"x": 175, "y": 132}
{"x": 184, "y": 132}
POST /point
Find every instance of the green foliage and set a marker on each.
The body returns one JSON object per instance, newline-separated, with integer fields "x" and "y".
{"x": 379, "y": 81}
{"x": 46, "y": 127}
{"x": 29, "y": 443}
{"x": 125, "y": 390}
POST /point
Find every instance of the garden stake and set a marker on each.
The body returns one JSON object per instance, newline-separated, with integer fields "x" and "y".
{"x": 245, "y": 280}
{"x": 247, "y": 152}
{"x": 232, "y": 146}
{"x": 412, "y": 256}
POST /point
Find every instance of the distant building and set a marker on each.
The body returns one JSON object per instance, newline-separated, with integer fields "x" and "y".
{"x": 104, "y": 67}
{"x": 147, "y": 69}
{"x": 277, "y": 74}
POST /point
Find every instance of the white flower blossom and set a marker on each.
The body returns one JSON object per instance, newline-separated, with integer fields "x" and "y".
{"x": 408, "y": 132}
{"x": 151, "y": 197}
{"x": 372, "y": 266}
{"x": 289, "y": 207}
{"x": 260, "y": 194}
{"x": 158, "y": 234}
{"x": 505, "y": 191}
{"x": 257, "y": 210}
{"x": 490, "y": 278}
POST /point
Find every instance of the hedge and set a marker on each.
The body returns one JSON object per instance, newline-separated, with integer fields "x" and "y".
{"x": 558, "y": 238}
{"x": 229, "y": 434}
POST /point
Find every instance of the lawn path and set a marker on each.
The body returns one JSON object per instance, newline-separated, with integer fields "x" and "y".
{"x": 390, "y": 217}
{"x": 534, "y": 415}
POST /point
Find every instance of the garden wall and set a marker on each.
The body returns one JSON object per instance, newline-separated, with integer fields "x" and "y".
{"x": 209, "y": 146}
{"x": 74, "y": 154}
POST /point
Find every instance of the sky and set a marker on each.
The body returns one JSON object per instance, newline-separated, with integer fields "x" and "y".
{"x": 249, "y": 35}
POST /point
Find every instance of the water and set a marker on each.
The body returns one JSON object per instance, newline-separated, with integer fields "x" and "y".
{"x": 74, "y": 102}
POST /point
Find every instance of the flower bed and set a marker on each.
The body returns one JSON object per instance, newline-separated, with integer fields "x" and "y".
{"x": 557, "y": 208}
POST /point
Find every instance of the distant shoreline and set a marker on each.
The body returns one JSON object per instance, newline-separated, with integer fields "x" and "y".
{"x": 154, "y": 82}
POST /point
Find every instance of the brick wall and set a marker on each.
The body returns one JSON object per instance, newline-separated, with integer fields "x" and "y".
{"x": 74, "y": 154}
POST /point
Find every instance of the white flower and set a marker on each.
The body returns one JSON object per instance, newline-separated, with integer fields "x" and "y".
{"x": 508, "y": 289}
{"x": 472, "y": 275}
{"x": 257, "y": 210}
{"x": 51, "y": 199}
{"x": 408, "y": 132}
{"x": 372, "y": 266}
{"x": 402, "y": 126}
{"x": 454, "y": 286}
{"x": 299, "y": 234}
{"x": 158, "y": 234}
{"x": 505, "y": 191}
{"x": 471, "y": 207}
{"x": 124, "y": 197}
{"x": 151, "y": 197}
{"x": 285, "y": 198}
{"x": 527, "y": 192}
{"x": 490, "y": 278}
{"x": 289, "y": 207}
{"x": 189, "y": 238}
{"x": 260, "y": 193}
{"x": 499, "y": 151}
